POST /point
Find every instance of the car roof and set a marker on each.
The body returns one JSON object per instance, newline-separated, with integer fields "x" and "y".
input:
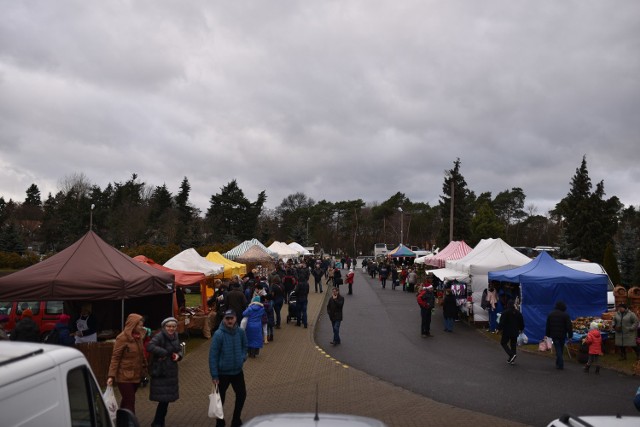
{"x": 595, "y": 421}
{"x": 307, "y": 419}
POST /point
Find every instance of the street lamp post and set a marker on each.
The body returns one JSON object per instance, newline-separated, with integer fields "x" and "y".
{"x": 401, "y": 223}
{"x": 308, "y": 231}
{"x": 91, "y": 217}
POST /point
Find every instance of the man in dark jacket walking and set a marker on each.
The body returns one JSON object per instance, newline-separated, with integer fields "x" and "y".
{"x": 559, "y": 329}
{"x": 511, "y": 324}
{"x": 227, "y": 355}
{"x": 334, "y": 309}
{"x": 302, "y": 293}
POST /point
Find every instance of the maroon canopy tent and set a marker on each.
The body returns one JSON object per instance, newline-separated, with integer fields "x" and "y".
{"x": 90, "y": 270}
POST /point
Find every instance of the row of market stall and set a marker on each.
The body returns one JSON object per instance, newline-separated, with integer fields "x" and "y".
{"x": 91, "y": 270}
{"x": 538, "y": 283}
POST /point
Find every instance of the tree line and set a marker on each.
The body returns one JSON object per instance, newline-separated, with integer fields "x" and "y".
{"x": 141, "y": 218}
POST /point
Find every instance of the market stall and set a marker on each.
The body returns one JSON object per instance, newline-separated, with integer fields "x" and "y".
{"x": 544, "y": 281}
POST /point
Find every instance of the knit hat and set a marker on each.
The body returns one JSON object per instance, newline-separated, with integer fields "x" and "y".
{"x": 428, "y": 287}
{"x": 593, "y": 325}
{"x": 64, "y": 318}
{"x": 27, "y": 313}
{"x": 167, "y": 320}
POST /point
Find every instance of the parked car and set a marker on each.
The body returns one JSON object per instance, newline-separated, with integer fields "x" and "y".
{"x": 592, "y": 267}
{"x": 45, "y": 313}
{"x": 595, "y": 421}
{"x": 313, "y": 420}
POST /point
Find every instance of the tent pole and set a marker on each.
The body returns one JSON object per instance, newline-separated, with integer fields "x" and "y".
{"x": 122, "y": 315}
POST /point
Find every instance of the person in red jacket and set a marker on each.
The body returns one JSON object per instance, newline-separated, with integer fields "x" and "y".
{"x": 350, "y": 277}
{"x": 594, "y": 341}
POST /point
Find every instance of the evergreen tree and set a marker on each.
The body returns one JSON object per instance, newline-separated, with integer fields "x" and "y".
{"x": 627, "y": 247}
{"x": 463, "y": 204}
{"x": 231, "y": 216}
{"x": 590, "y": 222}
{"x": 610, "y": 264}
{"x": 485, "y": 224}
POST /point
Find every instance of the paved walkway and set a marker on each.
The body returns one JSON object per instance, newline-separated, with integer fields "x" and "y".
{"x": 285, "y": 376}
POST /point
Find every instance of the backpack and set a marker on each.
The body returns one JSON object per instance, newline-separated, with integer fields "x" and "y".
{"x": 53, "y": 337}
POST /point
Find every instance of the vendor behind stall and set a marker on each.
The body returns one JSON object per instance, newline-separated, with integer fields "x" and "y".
{"x": 85, "y": 327}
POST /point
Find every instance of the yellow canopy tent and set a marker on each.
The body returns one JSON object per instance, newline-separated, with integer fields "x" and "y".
{"x": 230, "y": 267}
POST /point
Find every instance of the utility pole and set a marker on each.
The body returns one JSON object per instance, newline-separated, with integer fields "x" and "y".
{"x": 401, "y": 223}
{"x": 451, "y": 212}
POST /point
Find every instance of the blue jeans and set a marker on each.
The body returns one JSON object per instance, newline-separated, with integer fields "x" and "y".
{"x": 336, "y": 331}
{"x": 448, "y": 324}
{"x": 302, "y": 312}
{"x": 558, "y": 345}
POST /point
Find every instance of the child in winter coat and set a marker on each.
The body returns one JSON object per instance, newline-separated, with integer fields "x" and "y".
{"x": 594, "y": 341}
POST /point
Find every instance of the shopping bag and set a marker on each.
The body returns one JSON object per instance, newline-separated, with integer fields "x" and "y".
{"x": 243, "y": 323}
{"x": 111, "y": 402}
{"x": 215, "y": 403}
{"x": 545, "y": 344}
{"x": 522, "y": 339}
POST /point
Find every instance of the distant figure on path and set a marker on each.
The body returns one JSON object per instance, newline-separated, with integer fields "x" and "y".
{"x": 334, "y": 309}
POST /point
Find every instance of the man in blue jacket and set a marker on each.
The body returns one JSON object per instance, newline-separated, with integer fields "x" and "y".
{"x": 227, "y": 354}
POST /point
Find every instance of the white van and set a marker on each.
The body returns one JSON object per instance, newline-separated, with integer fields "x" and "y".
{"x": 592, "y": 267}
{"x": 51, "y": 385}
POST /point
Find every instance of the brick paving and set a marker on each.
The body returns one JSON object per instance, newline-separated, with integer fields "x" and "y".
{"x": 285, "y": 376}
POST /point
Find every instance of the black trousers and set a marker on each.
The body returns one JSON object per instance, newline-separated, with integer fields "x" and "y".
{"x": 240, "y": 389}
{"x": 161, "y": 413}
{"x": 425, "y": 325}
{"x": 513, "y": 342}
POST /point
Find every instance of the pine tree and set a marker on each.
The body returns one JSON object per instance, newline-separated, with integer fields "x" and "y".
{"x": 610, "y": 264}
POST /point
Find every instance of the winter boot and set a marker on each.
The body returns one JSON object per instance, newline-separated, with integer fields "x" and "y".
{"x": 597, "y": 369}
{"x": 586, "y": 368}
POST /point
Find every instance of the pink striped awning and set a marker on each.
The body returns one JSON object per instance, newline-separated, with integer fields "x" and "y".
{"x": 454, "y": 250}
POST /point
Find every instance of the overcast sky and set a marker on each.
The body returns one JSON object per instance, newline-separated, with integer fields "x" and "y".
{"x": 336, "y": 99}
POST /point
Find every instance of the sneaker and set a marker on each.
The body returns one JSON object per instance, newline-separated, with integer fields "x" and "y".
{"x": 512, "y": 359}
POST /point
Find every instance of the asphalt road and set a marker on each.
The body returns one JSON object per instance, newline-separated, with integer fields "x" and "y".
{"x": 381, "y": 335}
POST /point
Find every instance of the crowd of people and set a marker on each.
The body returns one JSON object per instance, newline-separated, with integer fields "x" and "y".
{"x": 246, "y": 312}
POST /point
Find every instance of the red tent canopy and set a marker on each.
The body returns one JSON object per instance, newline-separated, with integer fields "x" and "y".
{"x": 182, "y": 278}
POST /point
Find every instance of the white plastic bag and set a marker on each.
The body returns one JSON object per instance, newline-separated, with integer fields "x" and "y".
{"x": 215, "y": 403}
{"x": 522, "y": 339}
{"x": 545, "y": 344}
{"x": 243, "y": 323}
{"x": 111, "y": 402}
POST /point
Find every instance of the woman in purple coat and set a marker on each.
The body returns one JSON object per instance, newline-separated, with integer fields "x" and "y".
{"x": 254, "y": 314}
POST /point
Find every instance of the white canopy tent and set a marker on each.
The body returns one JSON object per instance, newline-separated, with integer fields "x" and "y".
{"x": 190, "y": 260}
{"x": 283, "y": 250}
{"x": 244, "y": 246}
{"x": 301, "y": 250}
{"x": 488, "y": 255}
{"x": 449, "y": 274}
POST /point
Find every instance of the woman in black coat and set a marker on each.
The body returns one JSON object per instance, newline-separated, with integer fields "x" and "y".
{"x": 449, "y": 310}
{"x": 165, "y": 351}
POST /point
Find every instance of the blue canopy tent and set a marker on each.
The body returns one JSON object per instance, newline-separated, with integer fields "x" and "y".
{"x": 401, "y": 251}
{"x": 544, "y": 281}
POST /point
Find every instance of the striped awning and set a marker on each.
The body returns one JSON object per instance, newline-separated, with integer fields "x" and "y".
{"x": 454, "y": 250}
